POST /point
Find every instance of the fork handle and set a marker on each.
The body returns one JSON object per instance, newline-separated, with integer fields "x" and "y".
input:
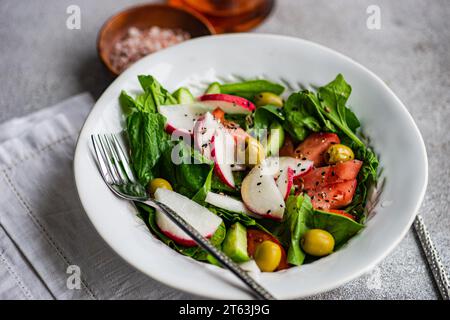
{"x": 434, "y": 260}
{"x": 224, "y": 260}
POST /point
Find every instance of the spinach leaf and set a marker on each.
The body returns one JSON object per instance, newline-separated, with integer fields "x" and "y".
{"x": 218, "y": 186}
{"x": 248, "y": 89}
{"x": 148, "y": 140}
{"x": 190, "y": 175}
{"x": 264, "y": 116}
{"x": 231, "y": 217}
{"x": 333, "y": 98}
{"x": 155, "y": 95}
{"x": 298, "y": 208}
{"x": 240, "y": 119}
{"x": 301, "y": 115}
{"x": 367, "y": 177}
{"x": 340, "y": 227}
{"x": 201, "y": 194}
{"x": 127, "y": 103}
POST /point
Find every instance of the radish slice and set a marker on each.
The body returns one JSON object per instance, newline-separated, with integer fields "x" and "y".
{"x": 228, "y": 103}
{"x": 204, "y": 130}
{"x": 203, "y": 220}
{"x": 277, "y": 165}
{"x": 261, "y": 195}
{"x": 223, "y": 155}
{"x": 285, "y": 182}
{"x": 182, "y": 117}
{"x": 228, "y": 203}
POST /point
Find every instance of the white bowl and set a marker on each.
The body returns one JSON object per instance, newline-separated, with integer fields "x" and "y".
{"x": 384, "y": 119}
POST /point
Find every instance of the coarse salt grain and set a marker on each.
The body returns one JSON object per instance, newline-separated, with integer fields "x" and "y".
{"x": 137, "y": 43}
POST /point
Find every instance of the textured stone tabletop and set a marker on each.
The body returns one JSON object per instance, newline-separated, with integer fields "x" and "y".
{"x": 42, "y": 62}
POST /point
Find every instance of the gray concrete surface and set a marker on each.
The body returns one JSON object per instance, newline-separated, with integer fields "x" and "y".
{"x": 42, "y": 62}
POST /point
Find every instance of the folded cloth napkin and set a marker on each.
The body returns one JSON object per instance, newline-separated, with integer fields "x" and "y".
{"x": 48, "y": 248}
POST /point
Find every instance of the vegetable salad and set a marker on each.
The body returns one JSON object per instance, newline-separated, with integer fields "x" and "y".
{"x": 273, "y": 180}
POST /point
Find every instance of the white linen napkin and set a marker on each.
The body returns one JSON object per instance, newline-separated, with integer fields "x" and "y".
{"x": 46, "y": 240}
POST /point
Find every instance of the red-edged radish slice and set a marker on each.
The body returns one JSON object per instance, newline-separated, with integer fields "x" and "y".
{"x": 228, "y": 203}
{"x": 285, "y": 182}
{"x": 261, "y": 195}
{"x": 204, "y": 130}
{"x": 223, "y": 153}
{"x": 277, "y": 165}
{"x": 228, "y": 103}
{"x": 182, "y": 117}
{"x": 203, "y": 220}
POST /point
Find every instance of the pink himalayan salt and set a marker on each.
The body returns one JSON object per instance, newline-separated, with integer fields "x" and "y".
{"x": 137, "y": 43}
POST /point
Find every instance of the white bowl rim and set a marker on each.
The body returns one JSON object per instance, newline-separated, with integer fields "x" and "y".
{"x": 339, "y": 282}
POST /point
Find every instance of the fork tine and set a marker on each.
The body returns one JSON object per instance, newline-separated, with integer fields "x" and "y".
{"x": 124, "y": 158}
{"x": 104, "y": 170}
{"x": 115, "y": 159}
{"x": 108, "y": 159}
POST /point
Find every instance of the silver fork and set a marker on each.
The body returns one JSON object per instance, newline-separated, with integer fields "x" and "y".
{"x": 116, "y": 171}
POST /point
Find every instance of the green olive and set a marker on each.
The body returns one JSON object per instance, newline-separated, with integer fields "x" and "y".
{"x": 268, "y": 256}
{"x": 254, "y": 151}
{"x": 317, "y": 242}
{"x": 265, "y": 98}
{"x": 159, "y": 183}
{"x": 338, "y": 153}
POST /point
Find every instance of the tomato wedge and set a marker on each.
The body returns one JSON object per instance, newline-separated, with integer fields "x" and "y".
{"x": 342, "y": 213}
{"x": 320, "y": 177}
{"x": 315, "y": 146}
{"x": 333, "y": 196}
{"x": 255, "y": 237}
{"x": 287, "y": 150}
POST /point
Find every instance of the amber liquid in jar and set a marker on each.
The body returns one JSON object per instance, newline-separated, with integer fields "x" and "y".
{"x": 230, "y": 15}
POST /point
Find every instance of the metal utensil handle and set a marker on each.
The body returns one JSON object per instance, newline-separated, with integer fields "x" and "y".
{"x": 434, "y": 260}
{"x": 258, "y": 290}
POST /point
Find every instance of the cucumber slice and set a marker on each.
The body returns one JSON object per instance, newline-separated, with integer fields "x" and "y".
{"x": 276, "y": 138}
{"x": 213, "y": 88}
{"x": 184, "y": 96}
{"x": 235, "y": 243}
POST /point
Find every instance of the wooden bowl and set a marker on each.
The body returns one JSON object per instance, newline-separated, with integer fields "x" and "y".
{"x": 146, "y": 16}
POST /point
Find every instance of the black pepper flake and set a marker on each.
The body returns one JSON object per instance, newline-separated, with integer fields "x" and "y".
{"x": 259, "y": 183}
{"x": 304, "y": 158}
{"x": 323, "y": 173}
{"x": 302, "y": 169}
{"x": 333, "y": 173}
